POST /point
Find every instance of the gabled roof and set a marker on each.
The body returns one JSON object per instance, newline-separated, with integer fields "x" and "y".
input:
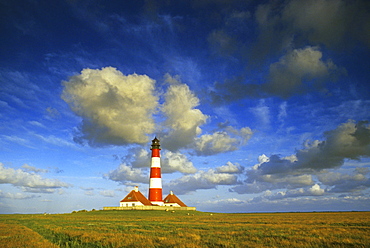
{"x": 136, "y": 196}
{"x": 172, "y": 198}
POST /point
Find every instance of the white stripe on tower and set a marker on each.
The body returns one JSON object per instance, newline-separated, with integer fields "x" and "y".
{"x": 155, "y": 181}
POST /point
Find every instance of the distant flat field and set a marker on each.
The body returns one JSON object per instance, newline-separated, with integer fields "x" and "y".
{"x": 185, "y": 229}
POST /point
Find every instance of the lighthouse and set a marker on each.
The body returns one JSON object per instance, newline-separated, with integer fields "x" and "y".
{"x": 155, "y": 181}
{"x": 135, "y": 200}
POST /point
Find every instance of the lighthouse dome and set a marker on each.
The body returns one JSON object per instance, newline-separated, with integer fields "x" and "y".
{"x": 155, "y": 143}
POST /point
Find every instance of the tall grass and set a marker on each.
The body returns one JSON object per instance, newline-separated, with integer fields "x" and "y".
{"x": 198, "y": 229}
{"x": 15, "y": 235}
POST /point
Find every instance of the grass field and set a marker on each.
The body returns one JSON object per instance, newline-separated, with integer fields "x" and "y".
{"x": 198, "y": 229}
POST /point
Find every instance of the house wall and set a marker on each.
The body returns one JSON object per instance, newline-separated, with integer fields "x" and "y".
{"x": 130, "y": 204}
{"x": 150, "y": 208}
{"x": 171, "y": 205}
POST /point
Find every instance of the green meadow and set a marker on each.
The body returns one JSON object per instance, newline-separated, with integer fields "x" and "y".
{"x": 185, "y": 229}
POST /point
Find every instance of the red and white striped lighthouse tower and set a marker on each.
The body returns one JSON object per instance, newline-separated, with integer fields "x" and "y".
{"x": 155, "y": 181}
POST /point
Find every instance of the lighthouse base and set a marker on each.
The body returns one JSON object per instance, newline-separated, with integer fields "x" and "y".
{"x": 157, "y": 203}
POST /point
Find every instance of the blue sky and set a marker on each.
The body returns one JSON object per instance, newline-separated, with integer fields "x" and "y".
{"x": 259, "y": 105}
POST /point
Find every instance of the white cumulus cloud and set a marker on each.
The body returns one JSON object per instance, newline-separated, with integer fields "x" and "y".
{"x": 107, "y": 193}
{"x": 230, "y": 168}
{"x": 29, "y": 168}
{"x": 316, "y": 190}
{"x": 115, "y": 109}
{"x": 201, "y": 180}
{"x": 223, "y": 141}
{"x": 176, "y": 161}
{"x": 17, "y": 196}
{"x": 183, "y": 119}
{"x": 29, "y": 182}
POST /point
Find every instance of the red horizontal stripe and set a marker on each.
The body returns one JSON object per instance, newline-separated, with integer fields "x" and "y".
{"x": 155, "y": 152}
{"x": 155, "y": 194}
{"x": 155, "y": 172}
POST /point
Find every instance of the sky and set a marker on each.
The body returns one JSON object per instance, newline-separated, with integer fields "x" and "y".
{"x": 260, "y": 106}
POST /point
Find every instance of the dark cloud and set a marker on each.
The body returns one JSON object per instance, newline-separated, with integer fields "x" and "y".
{"x": 283, "y": 23}
{"x": 299, "y": 71}
{"x": 137, "y": 157}
{"x": 125, "y": 173}
{"x": 343, "y": 183}
{"x": 300, "y": 33}
{"x": 347, "y": 141}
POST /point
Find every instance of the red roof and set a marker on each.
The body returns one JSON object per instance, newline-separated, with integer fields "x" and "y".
{"x": 137, "y": 196}
{"x": 171, "y": 198}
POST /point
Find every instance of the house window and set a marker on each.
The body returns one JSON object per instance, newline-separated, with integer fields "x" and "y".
{"x": 133, "y": 204}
